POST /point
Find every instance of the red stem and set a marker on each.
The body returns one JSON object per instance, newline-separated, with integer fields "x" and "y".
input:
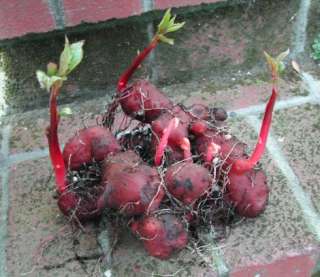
{"x": 242, "y": 165}
{"x": 184, "y": 143}
{"x": 164, "y": 140}
{"x": 53, "y": 141}
{"x": 123, "y": 80}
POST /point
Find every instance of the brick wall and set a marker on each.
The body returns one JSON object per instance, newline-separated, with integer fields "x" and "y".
{"x": 18, "y": 18}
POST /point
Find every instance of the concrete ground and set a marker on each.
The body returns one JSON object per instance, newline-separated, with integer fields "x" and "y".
{"x": 217, "y": 61}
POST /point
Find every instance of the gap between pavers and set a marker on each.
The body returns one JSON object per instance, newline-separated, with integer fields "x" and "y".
{"x": 4, "y": 203}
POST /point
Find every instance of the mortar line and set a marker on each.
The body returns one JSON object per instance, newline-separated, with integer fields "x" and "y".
{"x": 148, "y": 5}
{"x": 57, "y": 11}
{"x": 27, "y": 156}
{"x": 311, "y": 216}
{"x": 4, "y": 207}
{"x": 280, "y": 105}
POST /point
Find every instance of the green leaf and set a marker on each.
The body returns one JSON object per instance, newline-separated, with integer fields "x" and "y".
{"x": 65, "y": 112}
{"x": 166, "y": 40}
{"x": 65, "y": 59}
{"x": 46, "y": 82}
{"x": 76, "y": 50}
{"x": 175, "y": 27}
{"x": 276, "y": 64}
{"x": 70, "y": 58}
{"x": 281, "y": 67}
{"x": 271, "y": 62}
{"x": 165, "y": 21}
{"x": 168, "y": 25}
{"x": 283, "y": 55}
{"x": 43, "y": 78}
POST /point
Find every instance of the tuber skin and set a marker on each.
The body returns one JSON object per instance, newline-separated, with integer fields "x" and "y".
{"x": 144, "y": 102}
{"x": 248, "y": 192}
{"x": 89, "y": 144}
{"x": 212, "y": 144}
{"x": 131, "y": 186}
{"x": 188, "y": 181}
{"x": 162, "y": 235}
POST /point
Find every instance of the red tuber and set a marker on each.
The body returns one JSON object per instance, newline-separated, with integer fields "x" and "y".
{"x": 89, "y": 144}
{"x": 161, "y": 235}
{"x": 131, "y": 186}
{"x": 188, "y": 181}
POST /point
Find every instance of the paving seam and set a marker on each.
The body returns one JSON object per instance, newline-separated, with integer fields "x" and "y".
{"x": 311, "y": 216}
{"x": 57, "y": 12}
{"x": 4, "y": 207}
{"x": 300, "y": 28}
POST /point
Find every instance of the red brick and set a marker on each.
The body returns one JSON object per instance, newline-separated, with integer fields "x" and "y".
{"x": 164, "y": 4}
{"x": 18, "y": 18}
{"x": 78, "y": 11}
{"x": 298, "y": 266}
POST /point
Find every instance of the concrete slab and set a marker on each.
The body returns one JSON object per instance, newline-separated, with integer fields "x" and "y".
{"x": 41, "y": 242}
{"x": 297, "y": 131}
{"x": 279, "y": 233}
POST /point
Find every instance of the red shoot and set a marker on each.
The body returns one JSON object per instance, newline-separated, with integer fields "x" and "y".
{"x": 173, "y": 124}
{"x": 242, "y": 165}
{"x": 53, "y": 141}
{"x": 167, "y": 25}
{"x": 122, "y": 83}
{"x": 70, "y": 58}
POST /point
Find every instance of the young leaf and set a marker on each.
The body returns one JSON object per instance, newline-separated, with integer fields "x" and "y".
{"x": 166, "y": 40}
{"x": 165, "y": 21}
{"x": 276, "y": 64}
{"x": 43, "y": 79}
{"x": 65, "y": 112}
{"x": 71, "y": 56}
{"x": 76, "y": 50}
{"x": 46, "y": 82}
{"x": 168, "y": 25}
{"x": 175, "y": 27}
{"x": 283, "y": 55}
{"x": 65, "y": 59}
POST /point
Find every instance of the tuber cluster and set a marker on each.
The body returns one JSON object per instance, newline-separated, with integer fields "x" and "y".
{"x": 161, "y": 173}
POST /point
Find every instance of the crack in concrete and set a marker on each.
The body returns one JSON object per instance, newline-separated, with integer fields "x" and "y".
{"x": 76, "y": 258}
